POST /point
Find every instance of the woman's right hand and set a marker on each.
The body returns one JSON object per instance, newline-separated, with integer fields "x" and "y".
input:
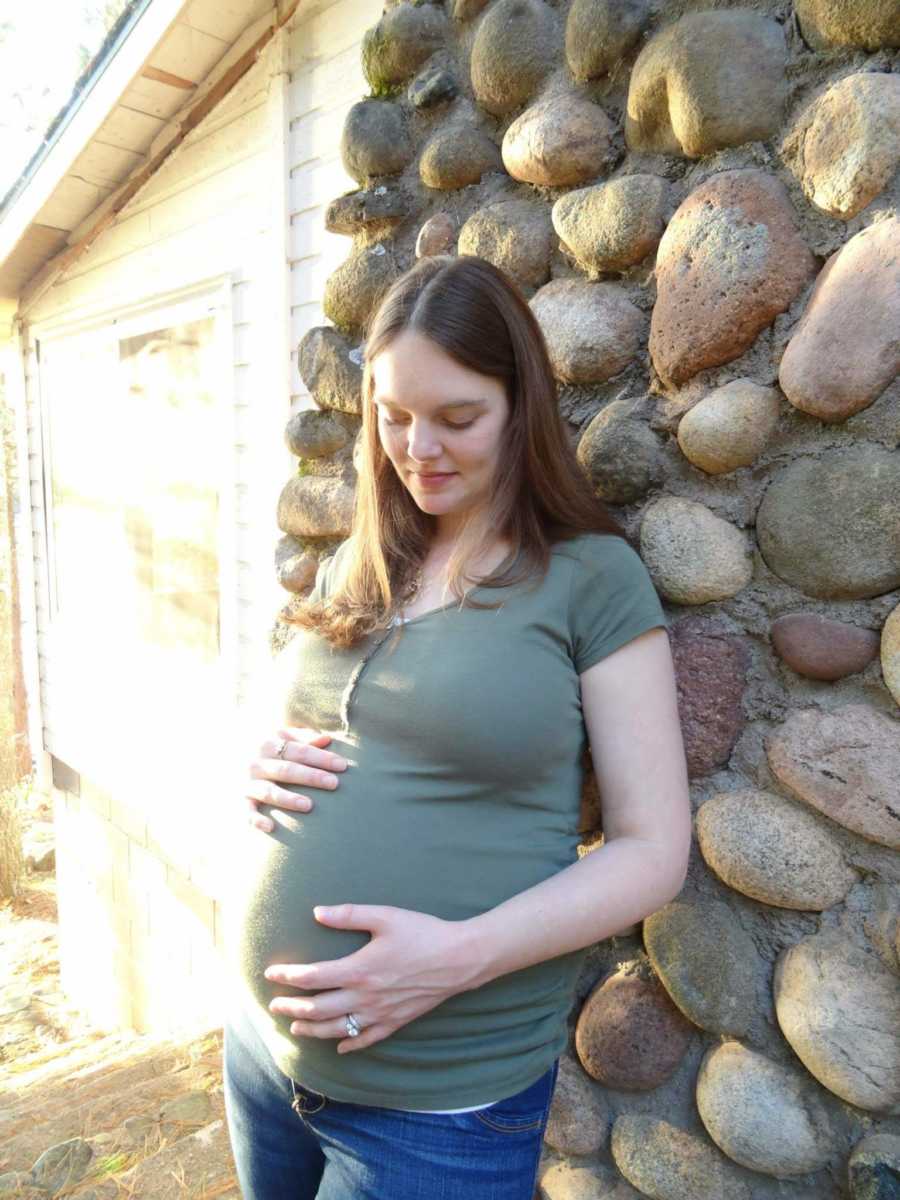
{"x": 305, "y": 761}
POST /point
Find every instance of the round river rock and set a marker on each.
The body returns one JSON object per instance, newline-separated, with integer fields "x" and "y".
{"x": 630, "y": 1036}
{"x": 693, "y": 555}
{"x": 761, "y": 1114}
{"x": 730, "y": 427}
{"x": 822, "y": 648}
{"x": 668, "y": 1163}
{"x": 847, "y": 548}
{"x": 845, "y": 762}
{"x": 706, "y": 962}
{"x": 772, "y": 850}
{"x": 839, "y": 1008}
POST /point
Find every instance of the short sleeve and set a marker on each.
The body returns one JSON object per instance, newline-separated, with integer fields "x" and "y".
{"x": 325, "y": 574}
{"x": 612, "y": 599}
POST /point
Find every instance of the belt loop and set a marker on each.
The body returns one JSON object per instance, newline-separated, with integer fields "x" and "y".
{"x": 297, "y": 1104}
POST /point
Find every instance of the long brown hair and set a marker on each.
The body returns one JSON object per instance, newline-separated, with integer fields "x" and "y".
{"x": 474, "y": 313}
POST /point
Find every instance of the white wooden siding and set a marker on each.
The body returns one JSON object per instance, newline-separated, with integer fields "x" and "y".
{"x": 326, "y": 79}
{"x": 212, "y": 209}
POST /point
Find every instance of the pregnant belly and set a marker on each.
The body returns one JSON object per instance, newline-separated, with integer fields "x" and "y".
{"x": 361, "y": 844}
{"x": 377, "y": 839}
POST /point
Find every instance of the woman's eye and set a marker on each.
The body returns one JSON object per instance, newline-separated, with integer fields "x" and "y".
{"x": 460, "y": 424}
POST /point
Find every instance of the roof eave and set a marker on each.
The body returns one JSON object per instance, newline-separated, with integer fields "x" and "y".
{"x": 113, "y": 71}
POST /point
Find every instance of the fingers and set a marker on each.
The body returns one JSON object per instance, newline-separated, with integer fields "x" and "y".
{"x": 335, "y": 1028}
{"x": 301, "y": 763}
{"x": 323, "y": 1009}
{"x": 261, "y": 791}
{"x": 305, "y": 762}
{"x": 368, "y": 1037}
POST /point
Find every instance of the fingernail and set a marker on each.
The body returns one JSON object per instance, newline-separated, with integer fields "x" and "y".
{"x": 340, "y": 763}
{"x": 319, "y": 913}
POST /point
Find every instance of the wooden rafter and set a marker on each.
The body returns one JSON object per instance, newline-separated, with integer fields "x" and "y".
{"x": 160, "y": 76}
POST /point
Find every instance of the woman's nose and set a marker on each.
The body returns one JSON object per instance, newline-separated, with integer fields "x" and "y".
{"x": 422, "y": 443}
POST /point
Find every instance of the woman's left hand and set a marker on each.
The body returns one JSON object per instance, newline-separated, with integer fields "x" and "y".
{"x": 411, "y": 964}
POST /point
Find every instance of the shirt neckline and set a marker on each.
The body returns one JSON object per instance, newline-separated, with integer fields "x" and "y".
{"x": 452, "y": 603}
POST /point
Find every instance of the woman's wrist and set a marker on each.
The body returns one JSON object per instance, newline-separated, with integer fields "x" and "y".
{"x": 472, "y": 957}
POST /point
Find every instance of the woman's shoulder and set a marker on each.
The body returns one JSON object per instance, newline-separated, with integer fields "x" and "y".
{"x": 597, "y": 551}
{"x": 329, "y": 569}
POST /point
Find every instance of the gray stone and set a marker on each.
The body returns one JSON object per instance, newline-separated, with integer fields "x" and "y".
{"x": 772, "y": 850}
{"x": 515, "y": 47}
{"x": 844, "y": 350}
{"x": 710, "y": 675}
{"x": 630, "y": 1036}
{"x": 761, "y": 1114}
{"x": 613, "y": 225}
{"x": 368, "y": 209}
{"x": 592, "y": 330}
{"x": 821, "y": 648}
{"x": 865, "y": 24}
{"x": 707, "y": 964}
{"x": 138, "y": 1129}
{"x": 456, "y": 156}
{"x": 515, "y": 235}
{"x": 39, "y": 846}
{"x": 62, "y": 1165}
{"x": 668, "y": 1163}
{"x": 435, "y": 85}
{"x": 874, "y": 1168}
{"x": 693, "y": 555}
{"x": 333, "y": 377}
{"x": 839, "y": 1009}
{"x": 465, "y": 10}
{"x": 881, "y": 924}
{"x": 19, "y": 1183}
{"x": 620, "y": 454}
{"x": 890, "y": 653}
{"x": 730, "y": 427}
{"x": 355, "y": 289}
{"x": 437, "y": 236}
{"x": 190, "y": 1108}
{"x": 375, "y": 140}
{"x": 845, "y": 763}
{"x": 731, "y": 259}
{"x": 846, "y": 146}
{"x": 296, "y": 567}
{"x": 312, "y": 506}
{"x": 579, "y": 1115}
{"x": 560, "y": 140}
{"x": 847, "y": 549}
{"x": 566, "y": 1181}
{"x": 311, "y": 433}
{"x": 600, "y": 32}
{"x": 403, "y": 39}
{"x": 710, "y": 80}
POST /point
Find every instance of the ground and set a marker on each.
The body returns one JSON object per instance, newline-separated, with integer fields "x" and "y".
{"x": 150, "y": 1109}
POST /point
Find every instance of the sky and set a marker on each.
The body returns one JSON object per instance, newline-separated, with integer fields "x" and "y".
{"x": 44, "y": 46}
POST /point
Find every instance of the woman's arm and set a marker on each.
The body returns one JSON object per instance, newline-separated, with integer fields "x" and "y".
{"x": 415, "y": 961}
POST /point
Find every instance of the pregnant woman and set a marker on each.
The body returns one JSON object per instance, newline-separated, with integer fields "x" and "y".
{"x": 411, "y": 913}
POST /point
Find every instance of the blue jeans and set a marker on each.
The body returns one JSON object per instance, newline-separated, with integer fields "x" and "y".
{"x": 290, "y": 1143}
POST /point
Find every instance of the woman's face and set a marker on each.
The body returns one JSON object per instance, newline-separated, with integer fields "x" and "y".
{"x": 440, "y": 424}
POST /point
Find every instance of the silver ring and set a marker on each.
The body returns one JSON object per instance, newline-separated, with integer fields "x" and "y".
{"x": 352, "y": 1026}
{"x": 282, "y": 746}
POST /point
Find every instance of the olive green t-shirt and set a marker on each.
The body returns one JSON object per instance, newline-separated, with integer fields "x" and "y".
{"x": 464, "y": 732}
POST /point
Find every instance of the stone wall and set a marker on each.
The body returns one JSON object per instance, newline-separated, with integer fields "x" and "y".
{"x": 700, "y": 203}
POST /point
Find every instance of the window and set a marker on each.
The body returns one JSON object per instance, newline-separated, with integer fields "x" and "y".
{"x": 136, "y": 464}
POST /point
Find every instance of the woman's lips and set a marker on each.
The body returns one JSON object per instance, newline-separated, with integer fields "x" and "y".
{"x": 433, "y": 480}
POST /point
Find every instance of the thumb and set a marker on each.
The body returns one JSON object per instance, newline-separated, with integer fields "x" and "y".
{"x": 351, "y": 916}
